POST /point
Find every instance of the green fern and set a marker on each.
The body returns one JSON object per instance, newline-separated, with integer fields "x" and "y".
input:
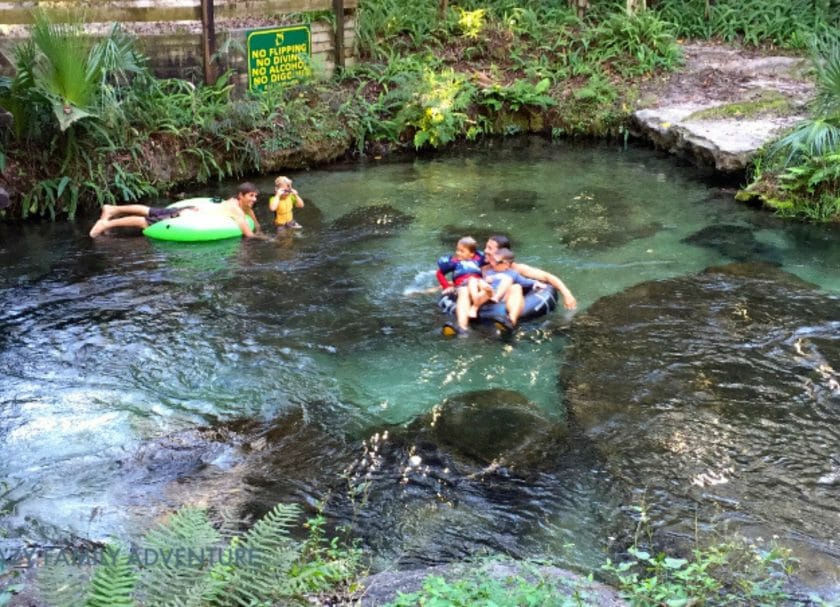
{"x": 269, "y": 553}
{"x": 191, "y": 562}
{"x": 169, "y": 545}
{"x": 62, "y": 584}
{"x": 113, "y": 581}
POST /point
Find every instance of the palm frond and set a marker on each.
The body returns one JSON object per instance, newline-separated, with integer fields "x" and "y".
{"x": 62, "y": 71}
{"x": 828, "y": 82}
{"x": 814, "y": 137}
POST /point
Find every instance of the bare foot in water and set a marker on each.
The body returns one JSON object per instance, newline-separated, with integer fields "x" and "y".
{"x": 99, "y": 227}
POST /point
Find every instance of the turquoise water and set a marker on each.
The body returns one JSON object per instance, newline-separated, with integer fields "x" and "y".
{"x": 112, "y": 343}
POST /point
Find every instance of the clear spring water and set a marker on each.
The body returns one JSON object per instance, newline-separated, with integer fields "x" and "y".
{"x": 108, "y": 344}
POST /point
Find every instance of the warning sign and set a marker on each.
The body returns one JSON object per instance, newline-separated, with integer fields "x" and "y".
{"x": 278, "y": 56}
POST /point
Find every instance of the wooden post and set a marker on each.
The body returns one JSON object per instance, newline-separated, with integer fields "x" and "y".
{"x": 208, "y": 40}
{"x": 338, "y": 8}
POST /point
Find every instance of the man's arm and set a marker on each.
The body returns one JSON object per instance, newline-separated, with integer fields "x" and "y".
{"x": 569, "y": 301}
{"x": 253, "y": 217}
{"x": 247, "y": 232}
{"x": 232, "y": 209}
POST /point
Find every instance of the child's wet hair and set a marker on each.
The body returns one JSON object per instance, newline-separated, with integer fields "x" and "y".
{"x": 502, "y": 241}
{"x": 504, "y": 255}
{"x": 469, "y": 243}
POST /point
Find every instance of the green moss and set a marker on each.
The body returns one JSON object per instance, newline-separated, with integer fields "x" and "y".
{"x": 766, "y": 102}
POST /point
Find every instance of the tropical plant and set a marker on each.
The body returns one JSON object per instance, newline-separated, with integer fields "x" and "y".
{"x": 819, "y": 135}
{"x": 520, "y": 93}
{"x": 438, "y": 110}
{"x": 636, "y": 44}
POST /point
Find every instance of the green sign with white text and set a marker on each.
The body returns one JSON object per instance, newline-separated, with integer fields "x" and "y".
{"x": 278, "y": 56}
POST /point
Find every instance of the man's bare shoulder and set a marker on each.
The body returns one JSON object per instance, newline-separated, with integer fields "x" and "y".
{"x": 230, "y": 207}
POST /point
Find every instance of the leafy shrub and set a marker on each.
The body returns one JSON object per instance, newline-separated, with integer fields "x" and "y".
{"x": 483, "y": 586}
{"x": 725, "y": 574}
{"x": 437, "y": 111}
{"x": 636, "y": 44}
{"x": 520, "y": 93}
{"x": 472, "y": 22}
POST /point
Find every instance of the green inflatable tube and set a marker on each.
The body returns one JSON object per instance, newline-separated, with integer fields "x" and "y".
{"x": 196, "y": 227}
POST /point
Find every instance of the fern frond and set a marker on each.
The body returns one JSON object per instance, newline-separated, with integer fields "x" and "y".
{"x": 63, "y": 585}
{"x": 113, "y": 581}
{"x": 180, "y": 550}
{"x": 262, "y": 559}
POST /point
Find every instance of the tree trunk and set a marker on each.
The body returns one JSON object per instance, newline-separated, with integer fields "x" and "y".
{"x": 443, "y": 7}
{"x": 580, "y": 6}
{"x": 208, "y": 40}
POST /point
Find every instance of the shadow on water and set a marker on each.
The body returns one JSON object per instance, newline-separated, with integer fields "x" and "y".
{"x": 139, "y": 376}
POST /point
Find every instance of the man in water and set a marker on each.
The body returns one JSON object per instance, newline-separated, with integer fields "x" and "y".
{"x": 141, "y": 216}
{"x": 462, "y": 306}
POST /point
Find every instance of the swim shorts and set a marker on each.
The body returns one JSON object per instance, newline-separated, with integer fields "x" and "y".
{"x": 159, "y": 214}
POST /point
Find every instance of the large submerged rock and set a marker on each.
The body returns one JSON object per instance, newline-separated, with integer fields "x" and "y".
{"x": 716, "y": 397}
{"x": 498, "y": 427}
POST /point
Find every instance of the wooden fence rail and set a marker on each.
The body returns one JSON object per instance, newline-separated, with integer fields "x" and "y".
{"x": 21, "y": 11}
{"x": 170, "y": 32}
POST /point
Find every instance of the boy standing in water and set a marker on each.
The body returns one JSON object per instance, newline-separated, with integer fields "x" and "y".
{"x": 285, "y": 197}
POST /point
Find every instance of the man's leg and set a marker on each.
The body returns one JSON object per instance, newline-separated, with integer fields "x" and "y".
{"x": 130, "y": 221}
{"x": 515, "y": 303}
{"x": 111, "y": 211}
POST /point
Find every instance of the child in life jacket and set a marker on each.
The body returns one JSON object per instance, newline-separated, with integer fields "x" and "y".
{"x": 465, "y": 267}
{"x": 285, "y": 197}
